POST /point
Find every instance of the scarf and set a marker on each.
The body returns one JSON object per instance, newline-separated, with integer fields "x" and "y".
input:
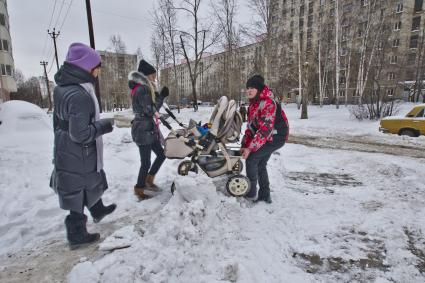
{"x": 99, "y": 141}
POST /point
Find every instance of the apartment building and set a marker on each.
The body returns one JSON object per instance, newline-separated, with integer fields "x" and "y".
{"x": 380, "y": 47}
{"x": 113, "y": 79}
{"x": 7, "y": 83}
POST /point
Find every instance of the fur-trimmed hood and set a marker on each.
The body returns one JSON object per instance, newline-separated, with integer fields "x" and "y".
{"x": 135, "y": 78}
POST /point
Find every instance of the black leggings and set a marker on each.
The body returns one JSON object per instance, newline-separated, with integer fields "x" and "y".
{"x": 145, "y": 160}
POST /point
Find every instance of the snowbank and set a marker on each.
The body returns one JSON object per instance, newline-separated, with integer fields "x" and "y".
{"x": 337, "y": 216}
{"x": 22, "y": 116}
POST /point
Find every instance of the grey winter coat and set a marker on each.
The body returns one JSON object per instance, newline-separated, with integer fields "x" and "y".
{"x": 143, "y": 130}
{"x": 75, "y": 177}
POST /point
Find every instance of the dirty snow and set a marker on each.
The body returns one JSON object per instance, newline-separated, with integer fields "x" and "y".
{"x": 336, "y": 216}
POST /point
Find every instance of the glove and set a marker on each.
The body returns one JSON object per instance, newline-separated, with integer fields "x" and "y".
{"x": 105, "y": 125}
{"x": 164, "y": 92}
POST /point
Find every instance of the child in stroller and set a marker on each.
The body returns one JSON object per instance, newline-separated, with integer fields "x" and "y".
{"x": 205, "y": 145}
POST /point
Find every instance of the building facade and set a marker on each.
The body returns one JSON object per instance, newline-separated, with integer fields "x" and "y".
{"x": 7, "y": 83}
{"x": 338, "y": 51}
{"x": 113, "y": 79}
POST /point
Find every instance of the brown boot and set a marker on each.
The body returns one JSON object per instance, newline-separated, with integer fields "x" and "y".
{"x": 140, "y": 193}
{"x": 150, "y": 183}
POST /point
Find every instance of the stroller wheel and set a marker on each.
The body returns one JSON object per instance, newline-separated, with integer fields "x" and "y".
{"x": 184, "y": 168}
{"x": 237, "y": 168}
{"x": 238, "y": 185}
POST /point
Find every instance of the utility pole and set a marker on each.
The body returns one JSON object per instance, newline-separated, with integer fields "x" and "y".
{"x": 44, "y": 64}
{"x": 92, "y": 45}
{"x": 55, "y": 35}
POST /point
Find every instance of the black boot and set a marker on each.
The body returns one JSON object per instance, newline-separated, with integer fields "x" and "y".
{"x": 266, "y": 199}
{"x": 77, "y": 232}
{"x": 98, "y": 211}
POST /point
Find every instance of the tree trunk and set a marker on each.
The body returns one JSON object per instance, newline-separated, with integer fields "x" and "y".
{"x": 305, "y": 93}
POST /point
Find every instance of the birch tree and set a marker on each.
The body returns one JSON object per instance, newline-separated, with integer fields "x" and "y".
{"x": 165, "y": 20}
{"x": 195, "y": 41}
{"x": 369, "y": 31}
{"x": 262, "y": 29}
{"x": 225, "y": 13}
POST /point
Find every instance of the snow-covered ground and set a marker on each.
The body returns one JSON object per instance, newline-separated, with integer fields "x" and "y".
{"x": 336, "y": 216}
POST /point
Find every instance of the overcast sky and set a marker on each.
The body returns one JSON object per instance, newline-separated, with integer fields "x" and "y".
{"x": 30, "y": 19}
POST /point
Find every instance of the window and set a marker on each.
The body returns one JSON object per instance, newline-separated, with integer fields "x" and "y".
{"x": 341, "y": 93}
{"x": 418, "y": 5}
{"x": 310, "y": 21}
{"x": 332, "y": 12}
{"x": 361, "y": 29}
{"x": 343, "y": 51}
{"x": 396, "y": 42}
{"x": 301, "y": 23}
{"x": 390, "y": 92}
{"x": 420, "y": 114}
{"x": 5, "y": 45}
{"x": 308, "y": 45}
{"x": 399, "y": 8}
{"x": 411, "y": 58}
{"x": 309, "y": 34}
{"x": 416, "y": 22}
{"x": 390, "y": 76}
{"x": 3, "y": 70}
{"x": 292, "y": 12}
{"x": 2, "y": 20}
{"x": 397, "y": 26}
{"x": 322, "y": 2}
{"x": 347, "y": 8}
{"x": 302, "y": 11}
{"x": 393, "y": 59}
{"x": 364, "y": 2}
{"x": 9, "y": 70}
{"x": 410, "y": 75}
{"x": 414, "y": 41}
{"x": 310, "y": 8}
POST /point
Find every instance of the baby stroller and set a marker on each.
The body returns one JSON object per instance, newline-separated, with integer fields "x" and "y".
{"x": 206, "y": 146}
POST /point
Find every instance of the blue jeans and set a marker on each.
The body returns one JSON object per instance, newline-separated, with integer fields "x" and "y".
{"x": 256, "y": 167}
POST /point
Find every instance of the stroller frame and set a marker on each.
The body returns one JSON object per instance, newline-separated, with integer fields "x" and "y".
{"x": 210, "y": 152}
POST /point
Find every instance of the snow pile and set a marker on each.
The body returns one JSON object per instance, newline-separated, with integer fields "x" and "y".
{"x": 21, "y": 116}
{"x": 336, "y": 216}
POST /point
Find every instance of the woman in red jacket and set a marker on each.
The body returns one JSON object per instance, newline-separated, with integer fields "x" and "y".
{"x": 267, "y": 130}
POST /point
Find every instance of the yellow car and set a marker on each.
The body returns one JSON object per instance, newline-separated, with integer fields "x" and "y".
{"x": 413, "y": 125}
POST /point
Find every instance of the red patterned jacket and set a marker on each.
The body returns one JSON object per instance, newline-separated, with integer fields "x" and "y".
{"x": 261, "y": 119}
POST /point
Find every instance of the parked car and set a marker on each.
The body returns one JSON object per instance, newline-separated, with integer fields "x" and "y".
{"x": 412, "y": 125}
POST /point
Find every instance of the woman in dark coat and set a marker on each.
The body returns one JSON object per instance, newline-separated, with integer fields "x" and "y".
{"x": 145, "y": 127}
{"x": 267, "y": 131}
{"x": 78, "y": 176}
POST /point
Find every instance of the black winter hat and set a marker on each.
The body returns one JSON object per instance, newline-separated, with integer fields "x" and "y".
{"x": 146, "y": 68}
{"x": 256, "y": 81}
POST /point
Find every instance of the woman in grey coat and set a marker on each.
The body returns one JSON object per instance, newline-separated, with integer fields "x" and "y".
{"x": 78, "y": 177}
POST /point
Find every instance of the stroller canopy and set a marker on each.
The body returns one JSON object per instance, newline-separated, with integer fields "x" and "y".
{"x": 225, "y": 121}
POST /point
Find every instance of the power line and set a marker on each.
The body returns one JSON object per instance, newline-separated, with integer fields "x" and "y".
{"x": 66, "y": 14}
{"x": 51, "y": 65}
{"x": 60, "y": 12}
{"x": 50, "y": 22}
{"x": 53, "y": 12}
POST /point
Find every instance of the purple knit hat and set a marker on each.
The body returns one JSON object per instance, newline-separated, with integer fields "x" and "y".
{"x": 82, "y": 56}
